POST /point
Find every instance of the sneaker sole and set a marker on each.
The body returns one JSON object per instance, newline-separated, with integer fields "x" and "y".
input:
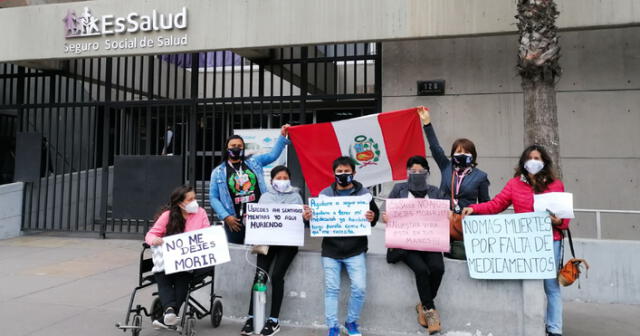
{"x": 170, "y": 320}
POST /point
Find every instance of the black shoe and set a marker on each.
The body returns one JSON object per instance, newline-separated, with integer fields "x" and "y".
{"x": 553, "y": 334}
{"x": 247, "y": 330}
{"x": 271, "y": 327}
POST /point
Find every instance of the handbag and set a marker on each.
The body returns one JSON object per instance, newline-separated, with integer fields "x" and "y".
{"x": 395, "y": 254}
{"x": 570, "y": 272}
{"x": 455, "y": 221}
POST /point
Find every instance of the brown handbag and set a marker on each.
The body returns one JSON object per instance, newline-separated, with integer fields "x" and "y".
{"x": 455, "y": 222}
{"x": 570, "y": 272}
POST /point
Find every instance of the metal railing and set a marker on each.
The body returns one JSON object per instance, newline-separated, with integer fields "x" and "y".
{"x": 598, "y": 213}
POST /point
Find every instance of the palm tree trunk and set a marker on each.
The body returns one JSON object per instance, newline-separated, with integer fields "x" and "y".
{"x": 539, "y": 68}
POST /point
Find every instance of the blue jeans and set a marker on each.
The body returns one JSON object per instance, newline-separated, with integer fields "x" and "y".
{"x": 357, "y": 269}
{"x": 554, "y": 298}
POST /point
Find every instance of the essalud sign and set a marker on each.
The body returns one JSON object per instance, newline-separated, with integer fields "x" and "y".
{"x": 120, "y": 30}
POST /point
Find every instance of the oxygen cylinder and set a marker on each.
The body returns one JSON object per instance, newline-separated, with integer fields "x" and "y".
{"x": 259, "y": 301}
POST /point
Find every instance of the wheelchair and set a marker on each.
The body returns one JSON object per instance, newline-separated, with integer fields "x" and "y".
{"x": 192, "y": 308}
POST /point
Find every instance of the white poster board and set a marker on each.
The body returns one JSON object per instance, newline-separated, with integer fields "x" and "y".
{"x": 195, "y": 249}
{"x": 342, "y": 216}
{"x": 560, "y": 203}
{"x": 260, "y": 141}
{"x": 514, "y": 246}
{"x": 274, "y": 224}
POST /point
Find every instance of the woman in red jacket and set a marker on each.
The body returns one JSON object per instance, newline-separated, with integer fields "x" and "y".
{"x": 534, "y": 175}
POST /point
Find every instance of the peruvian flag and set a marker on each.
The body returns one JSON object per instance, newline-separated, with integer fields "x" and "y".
{"x": 379, "y": 144}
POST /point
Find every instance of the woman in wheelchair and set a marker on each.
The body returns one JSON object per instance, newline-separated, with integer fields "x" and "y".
{"x": 182, "y": 214}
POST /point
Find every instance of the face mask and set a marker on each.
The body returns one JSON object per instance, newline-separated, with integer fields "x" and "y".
{"x": 462, "y": 160}
{"x": 281, "y": 185}
{"x": 533, "y": 166}
{"x": 235, "y": 153}
{"x": 191, "y": 207}
{"x": 418, "y": 181}
{"x": 344, "y": 179}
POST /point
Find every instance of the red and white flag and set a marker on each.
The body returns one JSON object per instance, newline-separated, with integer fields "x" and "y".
{"x": 379, "y": 144}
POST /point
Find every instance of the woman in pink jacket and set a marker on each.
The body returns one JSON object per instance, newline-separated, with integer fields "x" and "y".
{"x": 534, "y": 175}
{"x": 182, "y": 214}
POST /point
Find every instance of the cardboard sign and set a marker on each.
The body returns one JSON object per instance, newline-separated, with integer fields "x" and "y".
{"x": 560, "y": 203}
{"x": 514, "y": 246}
{"x": 195, "y": 249}
{"x": 417, "y": 224}
{"x": 340, "y": 216}
{"x": 274, "y": 224}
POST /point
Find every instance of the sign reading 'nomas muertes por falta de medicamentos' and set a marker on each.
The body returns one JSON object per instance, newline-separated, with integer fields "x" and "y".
{"x": 123, "y": 32}
{"x": 514, "y": 246}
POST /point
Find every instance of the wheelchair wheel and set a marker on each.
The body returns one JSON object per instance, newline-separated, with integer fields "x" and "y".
{"x": 156, "y": 310}
{"x": 137, "y": 321}
{"x": 189, "y": 327}
{"x": 216, "y": 313}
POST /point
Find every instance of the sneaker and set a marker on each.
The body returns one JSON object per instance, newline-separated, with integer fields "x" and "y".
{"x": 335, "y": 331}
{"x": 352, "y": 329}
{"x": 157, "y": 325}
{"x": 271, "y": 327}
{"x": 433, "y": 321}
{"x": 553, "y": 334}
{"x": 170, "y": 318}
{"x": 422, "y": 315}
{"x": 248, "y": 327}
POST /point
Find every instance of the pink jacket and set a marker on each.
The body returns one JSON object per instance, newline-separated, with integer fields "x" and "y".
{"x": 196, "y": 221}
{"x": 520, "y": 194}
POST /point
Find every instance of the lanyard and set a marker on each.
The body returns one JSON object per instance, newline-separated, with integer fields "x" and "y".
{"x": 458, "y": 180}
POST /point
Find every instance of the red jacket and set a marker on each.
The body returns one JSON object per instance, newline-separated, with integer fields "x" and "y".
{"x": 520, "y": 194}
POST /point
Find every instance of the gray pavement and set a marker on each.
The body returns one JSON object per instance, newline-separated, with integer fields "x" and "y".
{"x": 79, "y": 286}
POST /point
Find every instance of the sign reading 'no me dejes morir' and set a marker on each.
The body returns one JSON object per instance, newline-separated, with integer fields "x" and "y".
{"x": 195, "y": 249}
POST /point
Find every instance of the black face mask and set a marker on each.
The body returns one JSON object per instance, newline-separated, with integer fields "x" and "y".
{"x": 344, "y": 179}
{"x": 461, "y": 160}
{"x": 235, "y": 153}
{"x": 418, "y": 182}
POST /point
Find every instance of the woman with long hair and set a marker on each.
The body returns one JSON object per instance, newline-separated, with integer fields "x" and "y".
{"x": 534, "y": 175}
{"x": 181, "y": 214}
{"x": 239, "y": 180}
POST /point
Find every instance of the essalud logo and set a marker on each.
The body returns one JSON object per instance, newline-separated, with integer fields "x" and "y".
{"x": 364, "y": 151}
{"x": 81, "y": 25}
{"x": 86, "y": 24}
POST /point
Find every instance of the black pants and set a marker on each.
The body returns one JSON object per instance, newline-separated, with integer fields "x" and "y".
{"x": 172, "y": 289}
{"x": 280, "y": 257}
{"x": 428, "y": 268}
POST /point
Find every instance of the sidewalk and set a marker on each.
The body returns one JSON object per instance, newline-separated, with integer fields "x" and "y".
{"x": 53, "y": 286}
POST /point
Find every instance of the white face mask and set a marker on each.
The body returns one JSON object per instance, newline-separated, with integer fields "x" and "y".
{"x": 533, "y": 166}
{"x": 191, "y": 207}
{"x": 281, "y": 185}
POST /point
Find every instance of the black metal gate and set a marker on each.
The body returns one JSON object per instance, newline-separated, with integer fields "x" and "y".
{"x": 75, "y": 119}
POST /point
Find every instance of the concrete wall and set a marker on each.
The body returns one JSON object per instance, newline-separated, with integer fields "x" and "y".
{"x": 598, "y": 110}
{"x": 614, "y": 276}
{"x": 258, "y": 23}
{"x": 466, "y": 305}
{"x": 11, "y": 209}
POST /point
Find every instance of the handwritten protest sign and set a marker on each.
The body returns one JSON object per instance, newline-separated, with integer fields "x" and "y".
{"x": 560, "y": 203}
{"x": 274, "y": 224}
{"x": 514, "y": 246}
{"x": 417, "y": 224}
{"x": 195, "y": 249}
{"x": 340, "y": 216}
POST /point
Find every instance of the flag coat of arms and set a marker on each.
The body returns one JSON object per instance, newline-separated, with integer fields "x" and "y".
{"x": 379, "y": 145}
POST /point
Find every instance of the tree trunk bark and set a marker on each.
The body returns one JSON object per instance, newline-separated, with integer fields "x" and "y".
{"x": 541, "y": 118}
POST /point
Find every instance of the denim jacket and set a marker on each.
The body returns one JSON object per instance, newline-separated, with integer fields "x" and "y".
{"x": 219, "y": 191}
